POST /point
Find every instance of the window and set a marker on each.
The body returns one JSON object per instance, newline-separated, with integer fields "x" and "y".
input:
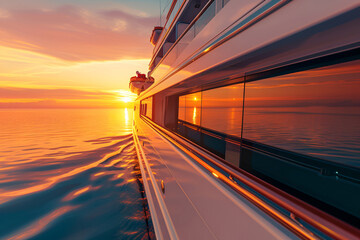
{"x": 193, "y": 108}
{"x": 224, "y": 2}
{"x": 297, "y": 131}
{"x": 314, "y": 112}
{"x": 147, "y": 107}
{"x": 219, "y": 109}
{"x": 205, "y": 18}
{"x": 222, "y": 109}
{"x": 182, "y": 108}
{"x": 207, "y": 117}
{"x": 190, "y": 108}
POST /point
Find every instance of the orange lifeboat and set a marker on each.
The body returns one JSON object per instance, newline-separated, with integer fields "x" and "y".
{"x": 140, "y": 83}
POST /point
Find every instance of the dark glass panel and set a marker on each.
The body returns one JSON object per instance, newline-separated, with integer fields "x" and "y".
{"x": 222, "y": 109}
{"x": 224, "y": 2}
{"x": 314, "y": 112}
{"x": 181, "y": 113}
{"x": 193, "y": 108}
{"x": 301, "y": 133}
{"x": 205, "y": 18}
{"x": 147, "y": 107}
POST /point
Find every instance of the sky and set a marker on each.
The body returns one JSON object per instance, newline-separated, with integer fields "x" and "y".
{"x": 73, "y": 53}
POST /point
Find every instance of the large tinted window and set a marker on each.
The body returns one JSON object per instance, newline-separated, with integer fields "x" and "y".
{"x": 298, "y": 131}
{"x": 222, "y": 109}
{"x": 181, "y": 111}
{"x": 218, "y": 109}
{"x": 190, "y": 108}
{"x": 314, "y": 112}
{"x": 147, "y": 107}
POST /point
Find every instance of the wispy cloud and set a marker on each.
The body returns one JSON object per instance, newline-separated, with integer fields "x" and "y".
{"x": 73, "y": 34}
{"x": 16, "y": 97}
{"x": 66, "y": 56}
{"x": 33, "y": 93}
{"x": 4, "y": 13}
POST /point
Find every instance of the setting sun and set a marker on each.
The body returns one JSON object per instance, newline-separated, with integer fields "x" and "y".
{"x": 126, "y": 99}
{"x": 125, "y": 96}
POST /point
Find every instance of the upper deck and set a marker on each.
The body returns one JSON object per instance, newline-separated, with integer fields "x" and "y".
{"x": 223, "y": 31}
{"x": 183, "y": 21}
{"x": 269, "y": 88}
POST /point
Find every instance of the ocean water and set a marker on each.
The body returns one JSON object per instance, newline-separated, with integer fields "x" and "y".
{"x": 70, "y": 174}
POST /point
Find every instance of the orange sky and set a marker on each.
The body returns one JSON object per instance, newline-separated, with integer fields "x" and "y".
{"x": 55, "y": 54}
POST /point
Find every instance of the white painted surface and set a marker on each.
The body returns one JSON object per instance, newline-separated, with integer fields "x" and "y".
{"x": 200, "y": 207}
{"x": 291, "y": 18}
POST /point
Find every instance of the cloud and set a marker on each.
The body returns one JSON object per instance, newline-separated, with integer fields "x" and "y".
{"x": 73, "y": 34}
{"x": 36, "y": 104}
{"x": 4, "y": 13}
{"x": 32, "y": 104}
{"x": 17, "y": 97}
{"x": 48, "y": 94}
{"x": 55, "y": 104}
{"x": 137, "y": 20}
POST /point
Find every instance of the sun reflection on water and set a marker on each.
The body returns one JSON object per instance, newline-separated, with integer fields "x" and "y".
{"x": 78, "y": 192}
{"x": 126, "y": 114}
{"x": 72, "y": 157}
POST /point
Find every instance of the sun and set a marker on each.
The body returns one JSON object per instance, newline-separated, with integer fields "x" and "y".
{"x": 125, "y": 96}
{"x": 126, "y": 99}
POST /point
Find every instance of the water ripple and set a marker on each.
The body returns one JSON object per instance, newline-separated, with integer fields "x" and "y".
{"x": 73, "y": 191}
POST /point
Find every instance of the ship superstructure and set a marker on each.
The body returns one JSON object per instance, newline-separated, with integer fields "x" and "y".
{"x": 250, "y": 129}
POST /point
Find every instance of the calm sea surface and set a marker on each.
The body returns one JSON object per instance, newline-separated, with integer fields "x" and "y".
{"x": 70, "y": 174}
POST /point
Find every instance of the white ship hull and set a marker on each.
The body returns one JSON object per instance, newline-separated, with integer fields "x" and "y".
{"x": 195, "y": 193}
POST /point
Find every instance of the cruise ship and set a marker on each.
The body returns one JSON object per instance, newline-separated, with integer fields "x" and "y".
{"x": 251, "y": 127}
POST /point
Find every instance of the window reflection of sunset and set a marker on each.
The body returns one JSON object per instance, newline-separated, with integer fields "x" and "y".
{"x": 193, "y": 107}
{"x": 303, "y": 89}
{"x": 194, "y": 116}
